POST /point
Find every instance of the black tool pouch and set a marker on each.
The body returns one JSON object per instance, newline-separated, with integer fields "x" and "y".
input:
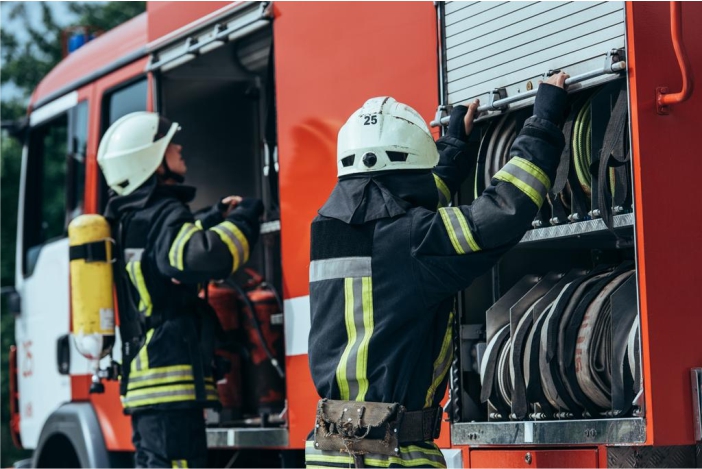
{"x": 358, "y": 427}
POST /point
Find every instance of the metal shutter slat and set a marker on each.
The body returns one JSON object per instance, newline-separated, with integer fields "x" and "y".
{"x": 538, "y": 21}
{"x": 501, "y": 17}
{"x": 516, "y": 47}
{"x": 479, "y": 13}
{"x": 452, "y": 7}
{"x": 518, "y": 79}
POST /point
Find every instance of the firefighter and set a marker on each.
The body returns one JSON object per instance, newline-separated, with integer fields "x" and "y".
{"x": 388, "y": 256}
{"x": 167, "y": 255}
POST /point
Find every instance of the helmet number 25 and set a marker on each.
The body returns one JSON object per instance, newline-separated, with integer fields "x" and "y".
{"x": 370, "y": 120}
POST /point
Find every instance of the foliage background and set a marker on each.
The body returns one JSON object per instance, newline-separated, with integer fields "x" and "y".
{"x": 29, "y": 51}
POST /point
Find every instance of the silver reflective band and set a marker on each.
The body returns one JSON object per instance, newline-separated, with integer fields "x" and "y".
{"x": 340, "y": 267}
{"x": 133, "y": 254}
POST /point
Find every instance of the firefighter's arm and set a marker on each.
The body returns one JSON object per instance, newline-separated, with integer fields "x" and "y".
{"x": 215, "y": 215}
{"x": 190, "y": 254}
{"x": 456, "y": 244}
{"x": 456, "y": 155}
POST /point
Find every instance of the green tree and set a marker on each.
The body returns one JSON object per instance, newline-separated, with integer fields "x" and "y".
{"x": 24, "y": 64}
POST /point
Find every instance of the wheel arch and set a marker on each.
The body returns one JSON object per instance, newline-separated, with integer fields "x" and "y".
{"x": 77, "y": 423}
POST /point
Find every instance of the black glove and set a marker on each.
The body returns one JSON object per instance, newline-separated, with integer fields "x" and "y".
{"x": 551, "y": 103}
{"x": 456, "y": 127}
{"x": 249, "y": 208}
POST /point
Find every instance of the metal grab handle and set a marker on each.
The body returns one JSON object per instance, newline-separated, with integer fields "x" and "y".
{"x": 500, "y": 104}
{"x": 663, "y": 98}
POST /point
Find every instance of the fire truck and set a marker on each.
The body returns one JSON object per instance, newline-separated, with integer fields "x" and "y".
{"x": 582, "y": 347}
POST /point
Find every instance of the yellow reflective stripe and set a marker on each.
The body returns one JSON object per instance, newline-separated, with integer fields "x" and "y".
{"x": 179, "y": 463}
{"x": 526, "y": 177}
{"x": 137, "y": 278}
{"x": 230, "y": 245}
{"x": 160, "y": 369}
{"x": 532, "y": 169}
{"x": 402, "y": 462}
{"x": 441, "y": 364}
{"x": 522, "y": 186}
{"x": 351, "y": 334}
{"x": 443, "y": 190}
{"x": 318, "y": 457}
{"x": 467, "y": 233}
{"x": 141, "y": 361}
{"x": 368, "y": 325}
{"x": 414, "y": 448}
{"x": 158, "y": 381}
{"x": 159, "y": 395}
{"x": 324, "y": 458}
{"x": 175, "y": 255}
{"x": 450, "y": 230}
{"x": 235, "y": 240}
{"x": 198, "y": 223}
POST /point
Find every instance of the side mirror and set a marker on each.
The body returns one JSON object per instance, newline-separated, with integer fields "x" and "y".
{"x": 13, "y": 300}
{"x": 16, "y": 129}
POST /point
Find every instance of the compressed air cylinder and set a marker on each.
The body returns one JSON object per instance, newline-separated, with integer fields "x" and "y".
{"x": 92, "y": 305}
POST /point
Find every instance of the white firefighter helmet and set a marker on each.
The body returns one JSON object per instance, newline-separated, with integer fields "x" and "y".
{"x": 384, "y": 135}
{"x": 130, "y": 152}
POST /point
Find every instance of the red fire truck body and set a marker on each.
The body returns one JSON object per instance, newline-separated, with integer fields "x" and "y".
{"x": 205, "y": 65}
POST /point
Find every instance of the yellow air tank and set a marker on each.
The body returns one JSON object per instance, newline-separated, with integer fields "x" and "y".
{"x": 91, "y": 285}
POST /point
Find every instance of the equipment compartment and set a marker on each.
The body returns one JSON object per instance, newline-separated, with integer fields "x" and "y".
{"x": 548, "y": 346}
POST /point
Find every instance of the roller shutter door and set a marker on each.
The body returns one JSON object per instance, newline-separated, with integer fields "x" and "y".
{"x": 492, "y": 45}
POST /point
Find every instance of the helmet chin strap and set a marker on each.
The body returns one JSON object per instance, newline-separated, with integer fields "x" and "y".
{"x": 168, "y": 174}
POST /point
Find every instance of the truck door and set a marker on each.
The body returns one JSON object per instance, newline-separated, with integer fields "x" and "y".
{"x": 51, "y": 195}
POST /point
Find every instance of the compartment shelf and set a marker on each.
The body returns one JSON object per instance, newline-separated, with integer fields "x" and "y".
{"x": 585, "y": 432}
{"x": 574, "y": 234}
{"x": 247, "y": 437}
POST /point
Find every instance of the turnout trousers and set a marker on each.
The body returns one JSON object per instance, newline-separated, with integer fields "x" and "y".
{"x": 169, "y": 438}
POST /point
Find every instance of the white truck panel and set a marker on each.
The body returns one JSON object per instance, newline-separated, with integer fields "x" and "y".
{"x": 44, "y": 318}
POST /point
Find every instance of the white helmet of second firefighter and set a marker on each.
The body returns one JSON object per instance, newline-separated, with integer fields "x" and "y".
{"x": 129, "y": 152}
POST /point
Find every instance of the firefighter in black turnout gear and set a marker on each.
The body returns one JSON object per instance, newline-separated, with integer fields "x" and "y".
{"x": 388, "y": 257}
{"x": 167, "y": 330}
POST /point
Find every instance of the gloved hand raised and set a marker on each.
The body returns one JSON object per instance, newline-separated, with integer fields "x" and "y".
{"x": 551, "y": 99}
{"x": 249, "y": 207}
{"x": 461, "y": 120}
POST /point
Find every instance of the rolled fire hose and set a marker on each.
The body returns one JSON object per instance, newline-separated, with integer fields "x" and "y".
{"x": 570, "y": 380}
{"x": 582, "y": 151}
{"x": 547, "y": 377}
{"x": 594, "y": 344}
{"x": 504, "y": 382}
{"x": 634, "y": 356}
{"x": 518, "y": 343}
{"x": 495, "y": 148}
{"x": 489, "y": 370}
{"x": 531, "y": 358}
